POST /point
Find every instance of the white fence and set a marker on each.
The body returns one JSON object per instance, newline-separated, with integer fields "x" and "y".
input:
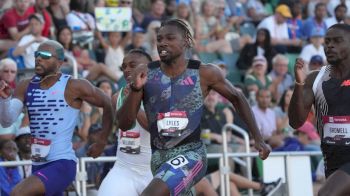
{"x": 289, "y": 162}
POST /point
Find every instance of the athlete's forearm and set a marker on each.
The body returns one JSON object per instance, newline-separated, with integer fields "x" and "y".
{"x": 127, "y": 114}
{"x": 248, "y": 117}
{"x": 10, "y": 110}
{"x": 296, "y": 112}
{"x": 107, "y": 120}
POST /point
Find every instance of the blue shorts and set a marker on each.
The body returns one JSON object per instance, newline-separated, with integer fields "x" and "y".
{"x": 56, "y": 175}
{"x": 180, "y": 167}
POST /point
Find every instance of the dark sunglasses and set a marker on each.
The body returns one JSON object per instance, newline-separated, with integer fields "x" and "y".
{"x": 43, "y": 54}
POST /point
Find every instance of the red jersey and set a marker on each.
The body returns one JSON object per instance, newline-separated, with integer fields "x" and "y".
{"x": 10, "y": 19}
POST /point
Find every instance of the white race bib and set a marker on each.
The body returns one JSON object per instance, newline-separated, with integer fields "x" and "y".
{"x": 40, "y": 149}
{"x": 336, "y": 130}
{"x": 130, "y": 142}
{"x": 178, "y": 161}
{"x": 172, "y": 123}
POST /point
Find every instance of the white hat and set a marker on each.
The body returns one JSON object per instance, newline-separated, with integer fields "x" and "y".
{"x": 23, "y": 131}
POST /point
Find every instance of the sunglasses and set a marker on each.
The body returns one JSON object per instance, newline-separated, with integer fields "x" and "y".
{"x": 43, "y": 54}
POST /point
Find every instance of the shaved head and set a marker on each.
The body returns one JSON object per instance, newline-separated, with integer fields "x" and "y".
{"x": 57, "y": 47}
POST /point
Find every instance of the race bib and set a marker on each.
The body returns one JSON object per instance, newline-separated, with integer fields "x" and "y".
{"x": 172, "y": 123}
{"x": 130, "y": 142}
{"x": 178, "y": 161}
{"x": 336, "y": 130}
{"x": 40, "y": 149}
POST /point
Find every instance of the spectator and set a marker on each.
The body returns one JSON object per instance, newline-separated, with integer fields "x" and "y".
{"x": 206, "y": 23}
{"x": 277, "y": 26}
{"x": 315, "y": 47}
{"x": 114, "y": 49}
{"x": 4, "y": 6}
{"x": 9, "y": 176}
{"x": 156, "y": 13}
{"x": 30, "y": 43}
{"x": 170, "y": 9}
{"x": 256, "y": 11}
{"x": 93, "y": 169}
{"x": 137, "y": 40}
{"x": 77, "y": 19}
{"x": 264, "y": 115}
{"x": 65, "y": 37}
{"x": 316, "y": 62}
{"x": 281, "y": 79}
{"x": 23, "y": 141}
{"x": 237, "y": 183}
{"x": 39, "y": 7}
{"x": 258, "y": 79}
{"x": 96, "y": 113}
{"x": 281, "y": 111}
{"x": 317, "y": 22}
{"x": 58, "y": 10}
{"x": 261, "y": 47}
{"x": 151, "y": 39}
{"x": 14, "y": 24}
{"x": 213, "y": 119}
{"x": 295, "y": 24}
{"x": 332, "y": 4}
{"x": 339, "y": 15}
{"x": 184, "y": 12}
{"x": 8, "y": 71}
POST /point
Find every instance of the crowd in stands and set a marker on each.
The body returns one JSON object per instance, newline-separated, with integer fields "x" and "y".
{"x": 254, "y": 42}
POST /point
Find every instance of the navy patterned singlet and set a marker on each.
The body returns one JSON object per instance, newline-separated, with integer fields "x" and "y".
{"x": 163, "y": 94}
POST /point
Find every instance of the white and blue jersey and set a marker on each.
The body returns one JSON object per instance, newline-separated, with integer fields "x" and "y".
{"x": 52, "y": 120}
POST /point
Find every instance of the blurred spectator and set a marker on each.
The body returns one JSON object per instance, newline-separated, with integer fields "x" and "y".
{"x": 5, "y": 5}
{"x": 308, "y": 137}
{"x": 39, "y": 7}
{"x": 206, "y": 23}
{"x": 258, "y": 79}
{"x": 295, "y": 24}
{"x": 78, "y": 20}
{"x": 28, "y": 44}
{"x": 151, "y": 39}
{"x": 81, "y": 133}
{"x": 125, "y": 3}
{"x": 14, "y": 24}
{"x": 316, "y": 62}
{"x": 114, "y": 49}
{"x": 96, "y": 113}
{"x": 332, "y": 4}
{"x": 315, "y": 47}
{"x": 261, "y": 47}
{"x": 156, "y": 13}
{"x": 281, "y": 79}
{"x": 317, "y": 22}
{"x": 93, "y": 169}
{"x": 278, "y": 28}
{"x": 9, "y": 176}
{"x": 184, "y": 12}
{"x": 212, "y": 121}
{"x": 339, "y": 15}
{"x": 65, "y": 37}
{"x": 264, "y": 115}
{"x": 170, "y": 9}
{"x": 256, "y": 11}
{"x": 137, "y": 40}
{"x": 58, "y": 10}
{"x": 281, "y": 111}
{"x": 23, "y": 141}
{"x": 8, "y": 71}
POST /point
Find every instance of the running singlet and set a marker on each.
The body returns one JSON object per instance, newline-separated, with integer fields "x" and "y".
{"x": 332, "y": 109}
{"x": 173, "y": 106}
{"x": 133, "y": 145}
{"x": 52, "y": 121}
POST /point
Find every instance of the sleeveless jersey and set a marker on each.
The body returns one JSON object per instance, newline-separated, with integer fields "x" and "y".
{"x": 163, "y": 95}
{"x": 134, "y": 146}
{"x": 332, "y": 110}
{"x": 51, "y": 118}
